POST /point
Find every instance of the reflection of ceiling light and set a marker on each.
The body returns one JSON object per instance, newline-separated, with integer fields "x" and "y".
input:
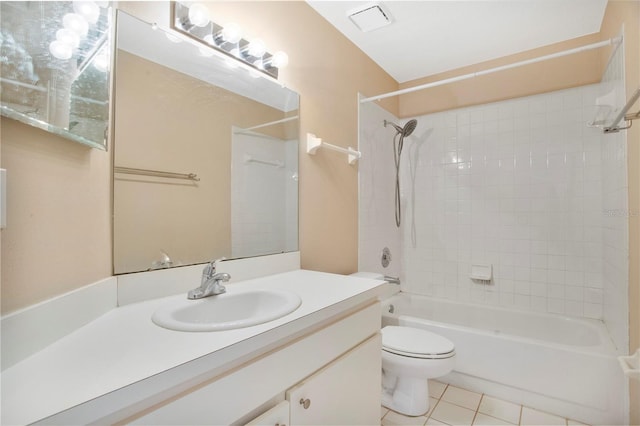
{"x": 88, "y": 9}
{"x": 209, "y": 39}
{"x": 76, "y": 23}
{"x": 60, "y": 49}
{"x": 101, "y": 62}
{"x": 68, "y": 37}
{"x": 199, "y": 15}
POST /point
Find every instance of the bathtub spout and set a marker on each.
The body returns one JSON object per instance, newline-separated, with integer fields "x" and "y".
{"x": 392, "y": 280}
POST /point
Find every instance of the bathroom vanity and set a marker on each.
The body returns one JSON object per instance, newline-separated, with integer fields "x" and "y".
{"x": 318, "y": 364}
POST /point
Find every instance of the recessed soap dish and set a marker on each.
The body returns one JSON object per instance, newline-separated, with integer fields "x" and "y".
{"x": 631, "y": 365}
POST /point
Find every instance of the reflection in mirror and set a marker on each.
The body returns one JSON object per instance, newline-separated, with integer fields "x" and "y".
{"x": 214, "y": 148}
{"x": 54, "y": 67}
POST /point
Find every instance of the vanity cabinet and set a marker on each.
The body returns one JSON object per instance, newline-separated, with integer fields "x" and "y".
{"x": 276, "y": 416}
{"x": 334, "y": 370}
{"x": 346, "y": 392}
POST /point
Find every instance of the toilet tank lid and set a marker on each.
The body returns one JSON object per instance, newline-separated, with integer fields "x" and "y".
{"x": 415, "y": 340}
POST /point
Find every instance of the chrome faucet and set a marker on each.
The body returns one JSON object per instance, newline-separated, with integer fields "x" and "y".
{"x": 210, "y": 282}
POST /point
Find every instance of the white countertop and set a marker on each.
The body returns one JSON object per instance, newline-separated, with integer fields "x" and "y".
{"x": 125, "y": 351}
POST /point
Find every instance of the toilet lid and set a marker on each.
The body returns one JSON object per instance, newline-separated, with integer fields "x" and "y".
{"x": 415, "y": 342}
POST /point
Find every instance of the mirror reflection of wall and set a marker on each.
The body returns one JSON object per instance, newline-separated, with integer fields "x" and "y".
{"x": 264, "y": 193}
{"x": 54, "y": 67}
{"x": 169, "y": 120}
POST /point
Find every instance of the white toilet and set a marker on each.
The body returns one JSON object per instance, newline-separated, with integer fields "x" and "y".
{"x": 411, "y": 356}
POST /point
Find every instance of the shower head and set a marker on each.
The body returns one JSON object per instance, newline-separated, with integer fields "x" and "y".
{"x": 405, "y": 131}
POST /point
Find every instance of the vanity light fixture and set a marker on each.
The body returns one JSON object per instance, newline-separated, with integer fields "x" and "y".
{"x": 193, "y": 20}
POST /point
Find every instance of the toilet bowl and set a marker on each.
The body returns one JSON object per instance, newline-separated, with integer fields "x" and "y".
{"x": 411, "y": 356}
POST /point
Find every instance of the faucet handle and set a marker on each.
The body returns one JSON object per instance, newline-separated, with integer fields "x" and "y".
{"x": 210, "y": 269}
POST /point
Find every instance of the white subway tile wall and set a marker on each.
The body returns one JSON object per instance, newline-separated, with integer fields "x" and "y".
{"x": 518, "y": 185}
{"x": 376, "y": 180}
{"x": 524, "y": 185}
{"x": 615, "y": 266}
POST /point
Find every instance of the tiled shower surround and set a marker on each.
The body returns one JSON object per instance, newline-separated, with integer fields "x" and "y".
{"x": 523, "y": 185}
{"x": 516, "y": 185}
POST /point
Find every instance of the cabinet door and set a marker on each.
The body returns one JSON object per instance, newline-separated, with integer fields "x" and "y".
{"x": 345, "y": 392}
{"x": 277, "y": 416}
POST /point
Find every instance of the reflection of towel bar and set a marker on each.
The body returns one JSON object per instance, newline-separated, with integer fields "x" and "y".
{"x": 156, "y": 173}
{"x": 250, "y": 159}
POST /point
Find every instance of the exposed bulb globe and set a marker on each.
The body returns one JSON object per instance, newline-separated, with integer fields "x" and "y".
{"x": 280, "y": 59}
{"x": 232, "y": 33}
{"x": 199, "y": 15}
{"x": 257, "y": 48}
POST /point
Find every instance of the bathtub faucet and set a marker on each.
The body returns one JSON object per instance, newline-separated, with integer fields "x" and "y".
{"x": 392, "y": 280}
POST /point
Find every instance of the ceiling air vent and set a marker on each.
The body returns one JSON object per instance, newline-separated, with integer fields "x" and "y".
{"x": 370, "y": 17}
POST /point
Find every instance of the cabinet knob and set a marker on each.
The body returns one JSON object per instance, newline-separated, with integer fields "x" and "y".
{"x": 305, "y": 402}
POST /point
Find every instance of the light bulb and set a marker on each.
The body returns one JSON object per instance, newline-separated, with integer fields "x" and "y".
{"x": 232, "y": 33}
{"x": 88, "y": 9}
{"x": 76, "y": 23}
{"x": 257, "y": 48}
{"x": 60, "y": 50}
{"x": 199, "y": 15}
{"x": 280, "y": 59}
{"x": 68, "y": 37}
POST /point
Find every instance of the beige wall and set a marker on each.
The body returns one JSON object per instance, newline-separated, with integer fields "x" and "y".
{"x": 555, "y": 74}
{"x": 617, "y": 14}
{"x": 58, "y": 234}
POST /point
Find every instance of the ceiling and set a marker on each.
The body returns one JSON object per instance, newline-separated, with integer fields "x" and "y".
{"x": 429, "y": 37}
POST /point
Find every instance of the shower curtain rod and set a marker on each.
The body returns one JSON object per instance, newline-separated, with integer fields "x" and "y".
{"x": 609, "y": 42}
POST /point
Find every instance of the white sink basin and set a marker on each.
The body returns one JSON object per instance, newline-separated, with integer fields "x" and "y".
{"x": 233, "y": 309}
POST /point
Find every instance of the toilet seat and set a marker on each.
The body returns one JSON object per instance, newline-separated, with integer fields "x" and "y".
{"x": 416, "y": 343}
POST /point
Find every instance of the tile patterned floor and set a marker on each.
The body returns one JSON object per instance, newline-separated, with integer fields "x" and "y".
{"x": 451, "y": 405}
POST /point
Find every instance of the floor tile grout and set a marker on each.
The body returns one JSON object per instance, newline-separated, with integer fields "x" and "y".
{"x": 429, "y": 414}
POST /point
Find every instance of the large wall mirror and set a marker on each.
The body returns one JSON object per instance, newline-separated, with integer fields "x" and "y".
{"x": 205, "y": 154}
{"x": 54, "y": 67}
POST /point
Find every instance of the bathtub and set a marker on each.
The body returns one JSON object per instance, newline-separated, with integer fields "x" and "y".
{"x": 561, "y": 365}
